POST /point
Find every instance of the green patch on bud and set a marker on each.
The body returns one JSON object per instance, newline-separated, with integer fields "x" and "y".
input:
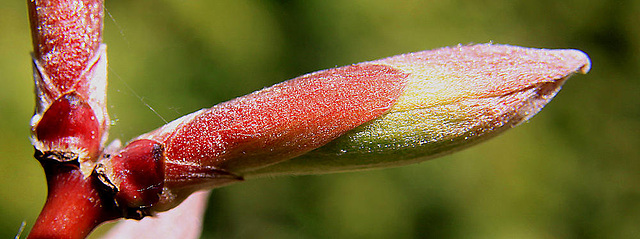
{"x": 454, "y": 98}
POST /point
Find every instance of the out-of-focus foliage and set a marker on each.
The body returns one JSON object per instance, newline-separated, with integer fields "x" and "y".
{"x": 571, "y": 172}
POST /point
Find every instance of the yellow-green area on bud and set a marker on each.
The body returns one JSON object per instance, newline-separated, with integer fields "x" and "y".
{"x": 454, "y": 98}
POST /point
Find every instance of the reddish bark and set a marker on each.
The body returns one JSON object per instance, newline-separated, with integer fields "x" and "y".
{"x": 75, "y": 204}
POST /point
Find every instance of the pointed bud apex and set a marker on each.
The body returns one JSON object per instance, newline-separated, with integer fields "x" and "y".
{"x": 454, "y": 98}
{"x": 383, "y": 113}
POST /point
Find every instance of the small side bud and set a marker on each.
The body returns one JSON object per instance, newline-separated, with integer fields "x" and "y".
{"x": 135, "y": 175}
{"x": 67, "y": 129}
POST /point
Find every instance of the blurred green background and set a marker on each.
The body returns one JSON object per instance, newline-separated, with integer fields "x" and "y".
{"x": 573, "y": 171}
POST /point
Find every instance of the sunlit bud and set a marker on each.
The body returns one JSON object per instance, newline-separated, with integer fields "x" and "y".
{"x": 383, "y": 113}
{"x": 455, "y": 97}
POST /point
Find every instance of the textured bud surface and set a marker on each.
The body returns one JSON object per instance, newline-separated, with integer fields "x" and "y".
{"x": 383, "y": 113}
{"x": 69, "y": 65}
{"x": 135, "y": 175}
{"x": 454, "y": 98}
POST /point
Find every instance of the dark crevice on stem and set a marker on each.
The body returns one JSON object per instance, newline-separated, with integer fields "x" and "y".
{"x": 75, "y": 204}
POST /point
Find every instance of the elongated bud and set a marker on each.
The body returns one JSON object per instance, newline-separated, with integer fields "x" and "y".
{"x": 383, "y": 113}
{"x": 455, "y": 97}
{"x": 69, "y": 65}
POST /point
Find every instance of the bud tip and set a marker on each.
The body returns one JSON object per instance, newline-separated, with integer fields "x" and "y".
{"x": 579, "y": 58}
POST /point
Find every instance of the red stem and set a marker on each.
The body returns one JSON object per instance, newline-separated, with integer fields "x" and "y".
{"x": 74, "y": 205}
